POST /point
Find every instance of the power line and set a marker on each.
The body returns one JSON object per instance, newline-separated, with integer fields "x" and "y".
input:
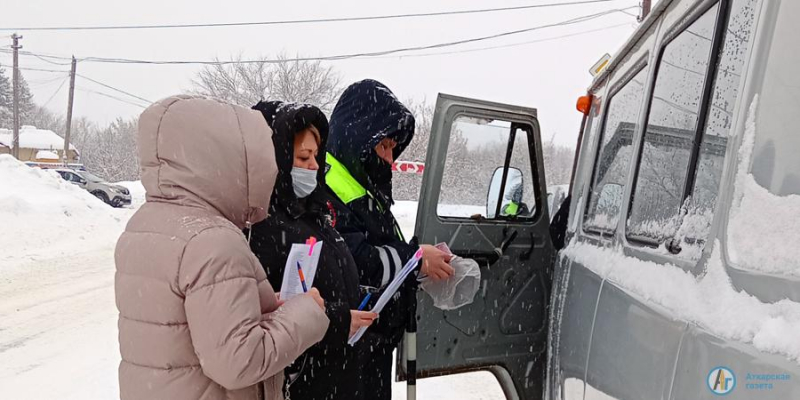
{"x": 56, "y": 92}
{"x": 112, "y": 97}
{"x": 44, "y": 59}
{"x": 412, "y": 55}
{"x": 36, "y": 83}
{"x": 567, "y": 22}
{"x": 305, "y": 21}
{"x": 36, "y": 69}
{"x": 510, "y": 44}
{"x": 115, "y": 89}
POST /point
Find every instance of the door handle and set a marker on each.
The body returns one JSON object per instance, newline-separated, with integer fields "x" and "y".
{"x": 507, "y": 240}
{"x": 527, "y": 254}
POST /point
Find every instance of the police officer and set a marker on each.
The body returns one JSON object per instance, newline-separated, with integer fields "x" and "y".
{"x": 369, "y": 129}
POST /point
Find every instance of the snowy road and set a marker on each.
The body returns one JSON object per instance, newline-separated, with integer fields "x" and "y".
{"x": 58, "y": 335}
{"x": 58, "y": 329}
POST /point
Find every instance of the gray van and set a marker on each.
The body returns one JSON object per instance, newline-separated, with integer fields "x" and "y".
{"x": 681, "y": 276}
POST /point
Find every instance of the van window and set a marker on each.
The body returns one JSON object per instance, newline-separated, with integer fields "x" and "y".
{"x": 613, "y": 157}
{"x": 700, "y": 204}
{"x": 476, "y": 155}
{"x": 670, "y": 133}
{"x": 764, "y": 224}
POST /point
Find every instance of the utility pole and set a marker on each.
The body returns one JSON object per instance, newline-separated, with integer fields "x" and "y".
{"x": 646, "y": 4}
{"x": 64, "y": 157}
{"x": 15, "y": 84}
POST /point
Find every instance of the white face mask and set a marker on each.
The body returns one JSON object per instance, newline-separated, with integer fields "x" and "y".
{"x": 304, "y": 181}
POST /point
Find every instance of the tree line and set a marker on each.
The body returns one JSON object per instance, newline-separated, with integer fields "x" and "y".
{"x": 110, "y": 151}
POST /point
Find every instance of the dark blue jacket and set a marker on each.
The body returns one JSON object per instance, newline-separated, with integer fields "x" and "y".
{"x": 366, "y": 113}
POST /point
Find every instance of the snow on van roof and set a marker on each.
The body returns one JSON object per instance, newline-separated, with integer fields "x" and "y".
{"x": 32, "y": 138}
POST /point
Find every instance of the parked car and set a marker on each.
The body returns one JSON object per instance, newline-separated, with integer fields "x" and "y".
{"x": 113, "y": 195}
{"x": 681, "y": 270}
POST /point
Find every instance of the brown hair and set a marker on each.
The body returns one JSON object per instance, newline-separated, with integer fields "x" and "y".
{"x": 314, "y": 131}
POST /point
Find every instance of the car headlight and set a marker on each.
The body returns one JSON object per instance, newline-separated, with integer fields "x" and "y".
{"x": 116, "y": 190}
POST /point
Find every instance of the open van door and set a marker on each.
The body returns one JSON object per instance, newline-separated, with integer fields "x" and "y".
{"x": 483, "y": 194}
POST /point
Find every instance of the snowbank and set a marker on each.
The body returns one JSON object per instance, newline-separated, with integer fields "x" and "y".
{"x": 137, "y": 192}
{"x": 769, "y": 327}
{"x": 764, "y": 229}
{"x": 44, "y": 216}
{"x": 405, "y": 212}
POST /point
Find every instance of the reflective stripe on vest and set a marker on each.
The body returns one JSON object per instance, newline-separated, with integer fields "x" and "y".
{"x": 341, "y": 182}
{"x": 511, "y": 209}
{"x": 347, "y": 188}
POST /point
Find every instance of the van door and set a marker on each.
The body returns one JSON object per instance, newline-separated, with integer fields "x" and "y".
{"x": 483, "y": 194}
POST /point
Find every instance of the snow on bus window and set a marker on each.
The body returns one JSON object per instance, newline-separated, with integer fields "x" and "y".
{"x": 764, "y": 225}
{"x": 614, "y": 155}
{"x": 670, "y": 132}
{"x": 683, "y": 223}
{"x": 698, "y": 209}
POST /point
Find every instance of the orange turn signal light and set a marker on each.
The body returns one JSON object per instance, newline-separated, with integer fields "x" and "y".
{"x": 584, "y": 104}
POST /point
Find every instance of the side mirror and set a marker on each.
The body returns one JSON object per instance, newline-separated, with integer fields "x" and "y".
{"x": 513, "y": 192}
{"x": 82, "y": 181}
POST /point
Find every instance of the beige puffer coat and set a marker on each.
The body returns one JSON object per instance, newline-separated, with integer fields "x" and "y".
{"x": 197, "y": 317}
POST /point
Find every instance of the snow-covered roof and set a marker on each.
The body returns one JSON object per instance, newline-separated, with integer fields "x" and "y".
{"x": 32, "y": 138}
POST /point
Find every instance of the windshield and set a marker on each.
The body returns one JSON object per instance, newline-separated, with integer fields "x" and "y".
{"x": 89, "y": 177}
{"x": 764, "y": 227}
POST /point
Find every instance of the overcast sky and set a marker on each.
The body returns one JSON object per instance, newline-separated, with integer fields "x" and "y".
{"x": 548, "y": 75}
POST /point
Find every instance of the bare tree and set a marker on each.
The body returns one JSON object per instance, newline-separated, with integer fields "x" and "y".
{"x": 557, "y": 162}
{"x": 473, "y": 166}
{"x": 43, "y": 118}
{"x": 282, "y": 79}
{"x": 423, "y": 115}
{"x": 111, "y": 152}
{"x": 407, "y": 186}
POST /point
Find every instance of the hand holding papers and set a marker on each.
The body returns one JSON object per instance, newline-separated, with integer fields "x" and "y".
{"x": 389, "y": 292}
{"x": 300, "y": 269}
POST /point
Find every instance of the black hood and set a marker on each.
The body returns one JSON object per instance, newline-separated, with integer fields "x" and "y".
{"x": 368, "y": 112}
{"x": 286, "y": 120}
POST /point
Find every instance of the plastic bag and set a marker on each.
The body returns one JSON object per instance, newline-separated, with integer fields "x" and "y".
{"x": 458, "y": 290}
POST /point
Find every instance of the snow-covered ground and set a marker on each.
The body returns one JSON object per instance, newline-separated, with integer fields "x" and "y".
{"x": 57, "y": 314}
{"x": 58, "y": 320}
{"x": 44, "y": 216}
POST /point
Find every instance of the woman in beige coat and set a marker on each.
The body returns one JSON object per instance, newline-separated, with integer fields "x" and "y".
{"x": 198, "y": 319}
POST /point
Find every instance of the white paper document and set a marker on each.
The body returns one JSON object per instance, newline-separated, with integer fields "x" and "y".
{"x": 308, "y": 257}
{"x": 389, "y": 292}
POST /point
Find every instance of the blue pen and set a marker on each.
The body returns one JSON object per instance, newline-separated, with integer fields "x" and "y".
{"x": 364, "y": 302}
{"x": 302, "y": 277}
